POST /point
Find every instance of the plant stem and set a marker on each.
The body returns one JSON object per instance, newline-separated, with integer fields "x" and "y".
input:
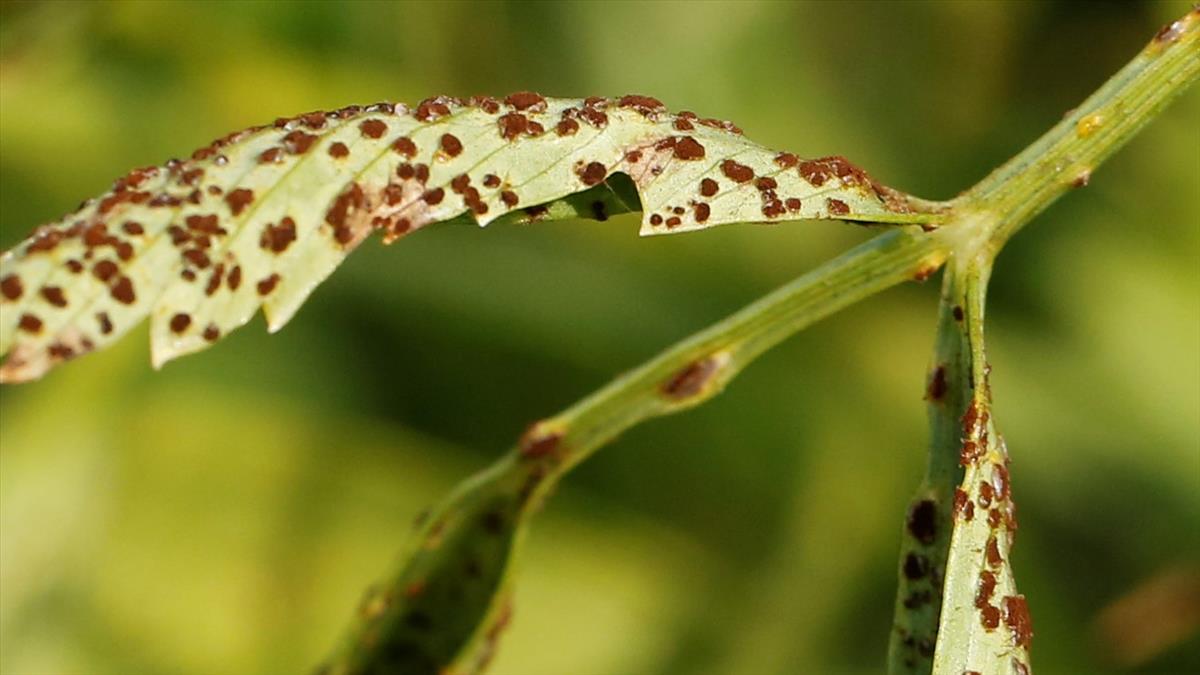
{"x": 446, "y": 603}
{"x": 937, "y": 577}
{"x": 1065, "y": 157}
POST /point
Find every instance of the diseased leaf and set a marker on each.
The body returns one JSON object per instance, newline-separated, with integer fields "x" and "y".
{"x": 260, "y": 217}
{"x": 985, "y": 626}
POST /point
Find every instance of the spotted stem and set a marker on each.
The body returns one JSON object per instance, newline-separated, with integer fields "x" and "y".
{"x": 447, "y": 601}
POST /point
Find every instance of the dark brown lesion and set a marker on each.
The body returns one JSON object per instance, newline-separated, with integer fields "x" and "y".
{"x": 692, "y": 379}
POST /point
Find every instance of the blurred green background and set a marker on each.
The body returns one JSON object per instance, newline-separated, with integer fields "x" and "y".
{"x": 225, "y": 514}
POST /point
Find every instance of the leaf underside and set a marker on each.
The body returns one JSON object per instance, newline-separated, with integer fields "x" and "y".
{"x": 262, "y": 216}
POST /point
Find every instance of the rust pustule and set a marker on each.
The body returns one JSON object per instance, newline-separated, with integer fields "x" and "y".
{"x": 838, "y": 207}
{"x": 238, "y": 200}
{"x": 964, "y": 508}
{"x": 592, "y": 174}
{"x": 11, "y": 287}
{"x": 987, "y": 586}
{"x": 526, "y": 100}
{"x": 538, "y": 442}
{"x": 692, "y": 379}
{"x": 1016, "y": 617}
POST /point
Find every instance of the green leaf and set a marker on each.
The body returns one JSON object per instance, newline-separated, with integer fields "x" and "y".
{"x": 985, "y": 625}
{"x": 262, "y": 216}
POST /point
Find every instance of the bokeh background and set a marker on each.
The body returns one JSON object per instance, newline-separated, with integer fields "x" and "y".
{"x": 225, "y": 514}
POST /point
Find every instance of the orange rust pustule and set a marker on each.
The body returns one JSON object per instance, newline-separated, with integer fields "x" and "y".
{"x": 1016, "y": 616}
{"x": 818, "y": 171}
{"x": 690, "y": 380}
{"x": 536, "y": 443}
{"x": 964, "y": 508}
{"x": 11, "y": 287}
{"x": 987, "y": 586}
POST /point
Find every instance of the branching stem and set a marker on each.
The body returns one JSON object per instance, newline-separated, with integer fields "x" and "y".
{"x": 479, "y": 525}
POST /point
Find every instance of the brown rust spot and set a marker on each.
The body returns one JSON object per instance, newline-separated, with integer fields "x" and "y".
{"x": 786, "y": 160}
{"x": 214, "y": 280}
{"x": 986, "y": 493}
{"x": 922, "y": 521}
{"x": 54, "y": 295}
{"x": 105, "y": 270}
{"x": 964, "y": 508}
{"x": 180, "y": 322}
{"x": 268, "y": 156}
{"x": 646, "y": 105}
{"x": 990, "y": 617}
{"x": 924, "y": 272}
{"x": 693, "y": 378}
{"x": 11, "y": 287}
{"x": 265, "y": 286}
{"x": 405, "y": 146}
{"x": 958, "y": 313}
{"x": 433, "y": 197}
{"x": 708, "y": 187}
{"x": 992, "y": 552}
{"x": 105, "y": 323}
{"x": 510, "y": 198}
{"x": 351, "y": 199}
{"x": 688, "y": 148}
{"x": 339, "y": 150}
{"x": 123, "y": 291}
{"x": 592, "y": 174}
{"x": 451, "y": 145}
{"x": 702, "y": 212}
{"x": 30, "y": 324}
{"x": 836, "y": 207}
{"x": 238, "y": 200}
{"x": 512, "y": 125}
{"x": 298, "y": 142}
{"x": 739, "y": 173}
{"x": 987, "y": 586}
{"x": 526, "y": 100}
{"x": 818, "y": 171}
{"x": 277, "y": 238}
{"x": 1016, "y": 616}
{"x": 536, "y": 442}
{"x": 566, "y": 127}
{"x": 373, "y": 128}
{"x": 487, "y": 104}
{"x": 211, "y": 333}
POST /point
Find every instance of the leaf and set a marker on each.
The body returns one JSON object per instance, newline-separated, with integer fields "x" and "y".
{"x": 262, "y": 216}
{"x": 985, "y": 626}
{"x": 443, "y": 609}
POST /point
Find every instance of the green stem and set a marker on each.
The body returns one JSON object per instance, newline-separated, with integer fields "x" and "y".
{"x": 447, "y": 601}
{"x": 1065, "y": 157}
{"x": 979, "y": 223}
